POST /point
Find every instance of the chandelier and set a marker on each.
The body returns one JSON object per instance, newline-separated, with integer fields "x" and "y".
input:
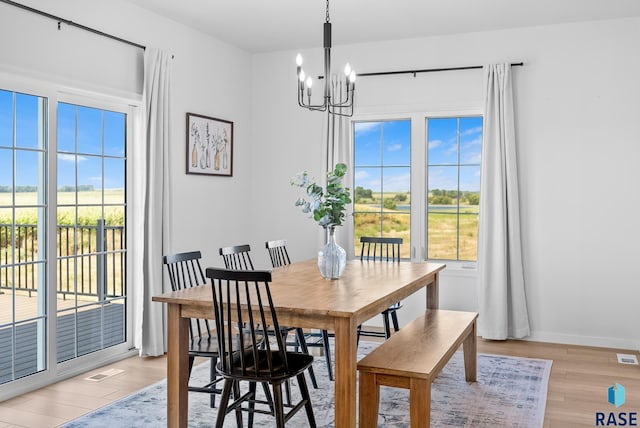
{"x": 338, "y": 93}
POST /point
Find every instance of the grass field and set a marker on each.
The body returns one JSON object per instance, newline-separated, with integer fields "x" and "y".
{"x": 26, "y": 212}
{"x": 78, "y": 239}
{"x": 442, "y": 230}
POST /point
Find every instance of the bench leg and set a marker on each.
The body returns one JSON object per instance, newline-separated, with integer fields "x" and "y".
{"x": 369, "y": 400}
{"x": 420, "y": 403}
{"x": 470, "y": 350}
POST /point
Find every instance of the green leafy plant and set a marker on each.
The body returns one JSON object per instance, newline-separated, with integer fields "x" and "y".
{"x": 326, "y": 207}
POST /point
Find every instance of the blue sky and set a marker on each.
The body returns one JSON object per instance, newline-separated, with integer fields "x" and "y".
{"x": 388, "y": 143}
{"x": 383, "y": 143}
{"x": 443, "y": 152}
{"x": 83, "y": 134}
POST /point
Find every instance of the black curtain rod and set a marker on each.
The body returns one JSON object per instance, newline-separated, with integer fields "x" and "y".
{"x": 426, "y": 70}
{"x": 429, "y": 70}
{"x": 73, "y": 24}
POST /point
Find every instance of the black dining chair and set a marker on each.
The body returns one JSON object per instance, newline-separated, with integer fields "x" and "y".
{"x": 242, "y": 301}
{"x": 378, "y": 249}
{"x": 280, "y": 257}
{"x": 185, "y": 271}
{"x": 237, "y": 257}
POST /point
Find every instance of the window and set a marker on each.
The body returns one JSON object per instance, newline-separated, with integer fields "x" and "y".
{"x": 454, "y": 146}
{"x": 382, "y": 175}
{"x": 418, "y": 178}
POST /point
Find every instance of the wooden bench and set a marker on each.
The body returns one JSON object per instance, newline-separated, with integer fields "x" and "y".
{"x": 412, "y": 358}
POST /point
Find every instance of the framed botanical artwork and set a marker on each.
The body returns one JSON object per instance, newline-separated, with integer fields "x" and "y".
{"x": 209, "y": 145}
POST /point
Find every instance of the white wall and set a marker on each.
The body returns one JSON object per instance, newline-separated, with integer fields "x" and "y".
{"x": 577, "y": 113}
{"x": 209, "y": 78}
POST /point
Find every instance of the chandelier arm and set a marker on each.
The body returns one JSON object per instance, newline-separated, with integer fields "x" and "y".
{"x": 341, "y": 105}
{"x": 317, "y": 107}
{"x": 339, "y": 113}
{"x": 301, "y": 103}
{"x": 321, "y": 108}
{"x": 343, "y": 102}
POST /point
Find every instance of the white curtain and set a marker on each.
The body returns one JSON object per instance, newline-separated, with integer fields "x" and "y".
{"x": 336, "y": 148}
{"x": 151, "y": 190}
{"x": 503, "y": 306}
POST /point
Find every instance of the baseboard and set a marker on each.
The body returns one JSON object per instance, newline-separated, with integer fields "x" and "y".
{"x": 595, "y": 341}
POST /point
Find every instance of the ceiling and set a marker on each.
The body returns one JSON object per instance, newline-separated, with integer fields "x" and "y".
{"x": 271, "y": 25}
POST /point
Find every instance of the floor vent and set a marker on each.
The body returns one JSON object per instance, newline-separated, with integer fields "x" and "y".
{"x": 627, "y": 359}
{"x": 103, "y": 375}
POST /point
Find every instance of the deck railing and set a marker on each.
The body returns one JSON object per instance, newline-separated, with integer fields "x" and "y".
{"x": 90, "y": 259}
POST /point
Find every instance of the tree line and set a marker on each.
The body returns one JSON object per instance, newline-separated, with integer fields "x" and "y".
{"x": 436, "y": 197}
{"x": 31, "y": 189}
{"x": 451, "y": 197}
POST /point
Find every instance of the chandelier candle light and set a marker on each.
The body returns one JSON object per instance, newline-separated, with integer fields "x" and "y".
{"x": 338, "y": 93}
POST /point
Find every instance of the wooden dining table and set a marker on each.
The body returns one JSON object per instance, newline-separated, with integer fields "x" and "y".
{"x": 303, "y": 298}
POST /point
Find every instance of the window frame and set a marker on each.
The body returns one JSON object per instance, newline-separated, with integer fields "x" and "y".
{"x": 418, "y": 116}
{"x": 382, "y": 169}
{"x": 458, "y": 165}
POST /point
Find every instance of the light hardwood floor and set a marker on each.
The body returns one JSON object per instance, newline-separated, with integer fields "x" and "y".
{"x": 580, "y": 377}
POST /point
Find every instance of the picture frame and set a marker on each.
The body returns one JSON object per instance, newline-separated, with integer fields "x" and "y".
{"x": 209, "y": 145}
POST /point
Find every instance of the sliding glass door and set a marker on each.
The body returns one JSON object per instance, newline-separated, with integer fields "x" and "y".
{"x": 63, "y": 234}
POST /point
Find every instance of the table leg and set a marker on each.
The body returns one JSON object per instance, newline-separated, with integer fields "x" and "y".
{"x": 345, "y": 373}
{"x": 433, "y": 293}
{"x": 177, "y": 368}
{"x": 470, "y": 350}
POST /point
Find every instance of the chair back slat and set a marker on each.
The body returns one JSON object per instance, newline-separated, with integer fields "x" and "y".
{"x": 185, "y": 271}
{"x": 278, "y": 253}
{"x": 243, "y": 304}
{"x": 380, "y": 248}
{"x": 237, "y": 257}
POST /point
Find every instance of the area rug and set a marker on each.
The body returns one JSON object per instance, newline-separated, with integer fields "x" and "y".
{"x": 510, "y": 392}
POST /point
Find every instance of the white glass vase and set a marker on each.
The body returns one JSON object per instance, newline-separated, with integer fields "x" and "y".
{"x": 332, "y": 258}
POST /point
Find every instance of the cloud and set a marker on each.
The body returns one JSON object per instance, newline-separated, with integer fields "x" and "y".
{"x": 365, "y": 127}
{"x": 434, "y": 144}
{"x": 66, "y": 157}
{"x": 443, "y": 178}
{"x": 398, "y": 183}
{"x": 472, "y": 151}
{"x": 364, "y": 179}
{"x": 471, "y": 131}
{"x": 475, "y": 142}
{"x": 370, "y": 183}
{"x": 394, "y": 147}
{"x": 361, "y": 175}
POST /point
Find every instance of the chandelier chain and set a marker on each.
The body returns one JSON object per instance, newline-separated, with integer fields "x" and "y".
{"x": 327, "y": 11}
